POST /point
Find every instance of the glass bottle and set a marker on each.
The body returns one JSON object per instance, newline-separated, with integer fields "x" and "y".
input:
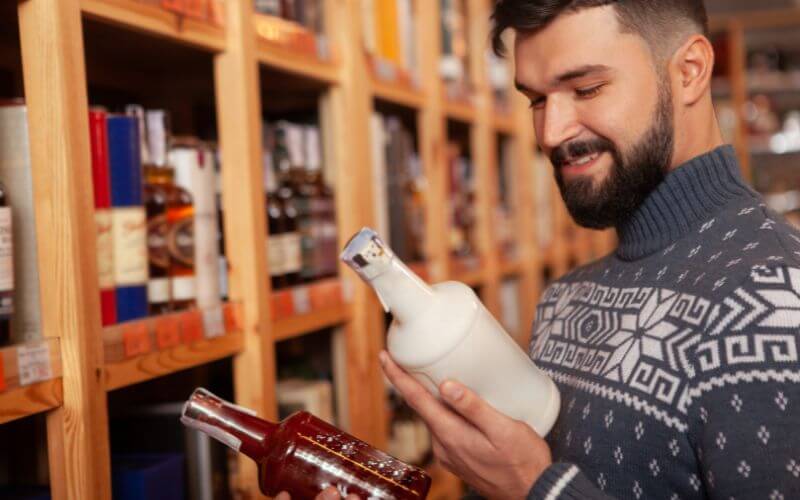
{"x": 6, "y": 269}
{"x": 443, "y": 332}
{"x": 303, "y": 455}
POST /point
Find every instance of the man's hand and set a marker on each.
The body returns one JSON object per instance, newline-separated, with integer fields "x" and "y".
{"x": 329, "y": 493}
{"x": 498, "y": 456}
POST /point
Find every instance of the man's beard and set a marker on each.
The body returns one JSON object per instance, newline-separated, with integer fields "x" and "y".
{"x": 631, "y": 178}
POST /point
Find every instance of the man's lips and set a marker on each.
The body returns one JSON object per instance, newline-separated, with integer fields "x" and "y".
{"x": 580, "y": 164}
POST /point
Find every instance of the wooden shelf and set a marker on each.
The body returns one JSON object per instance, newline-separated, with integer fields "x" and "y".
{"x": 503, "y": 123}
{"x": 30, "y": 379}
{"x": 393, "y": 84}
{"x": 289, "y": 47}
{"x": 461, "y": 111}
{"x": 29, "y": 400}
{"x": 510, "y": 268}
{"x": 153, "y": 347}
{"x": 295, "y": 326}
{"x": 469, "y": 271}
{"x": 152, "y": 19}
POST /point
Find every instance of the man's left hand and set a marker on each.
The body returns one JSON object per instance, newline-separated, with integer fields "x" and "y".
{"x": 498, "y": 456}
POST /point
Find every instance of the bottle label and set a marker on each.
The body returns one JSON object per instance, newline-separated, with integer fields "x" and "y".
{"x": 105, "y": 249}
{"x": 183, "y": 288}
{"x": 129, "y": 232}
{"x": 181, "y": 241}
{"x": 158, "y": 290}
{"x": 275, "y": 253}
{"x": 293, "y": 254}
{"x": 6, "y": 251}
{"x": 157, "y": 234}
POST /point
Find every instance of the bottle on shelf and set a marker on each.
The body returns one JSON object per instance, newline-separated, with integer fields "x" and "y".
{"x": 288, "y": 162}
{"x": 275, "y": 227}
{"x": 322, "y": 211}
{"x": 443, "y": 332}
{"x": 302, "y": 454}
{"x": 158, "y": 182}
{"x": 6, "y": 269}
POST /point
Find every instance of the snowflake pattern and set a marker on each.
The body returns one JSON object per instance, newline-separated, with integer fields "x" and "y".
{"x": 609, "y": 418}
{"x": 710, "y": 479}
{"x": 587, "y": 445}
{"x": 639, "y": 430}
{"x": 654, "y": 468}
{"x": 736, "y": 403}
{"x": 601, "y": 481}
{"x": 618, "y": 456}
{"x": 744, "y": 469}
{"x": 586, "y": 410}
{"x": 782, "y": 401}
{"x": 776, "y": 495}
{"x": 674, "y": 448}
{"x": 793, "y": 467}
{"x": 695, "y": 482}
{"x": 721, "y": 441}
{"x": 637, "y": 489}
{"x": 763, "y": 434}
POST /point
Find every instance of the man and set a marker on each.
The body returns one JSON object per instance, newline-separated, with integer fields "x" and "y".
{"x": 676, "y": 355}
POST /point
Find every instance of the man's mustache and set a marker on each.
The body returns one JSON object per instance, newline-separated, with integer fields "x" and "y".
{"x": 573, "y": 150}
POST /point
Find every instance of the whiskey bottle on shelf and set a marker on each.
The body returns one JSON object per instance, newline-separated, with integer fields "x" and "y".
{"x": 158, "y": 178}
{"x": 322, "y": 211}
{"x": 303, "y": 454}
{"x": 6, "y": 269}
{"x": 288, "y": 162}
{"x": 275, "y": 227}
{"x": 443, "y": 332}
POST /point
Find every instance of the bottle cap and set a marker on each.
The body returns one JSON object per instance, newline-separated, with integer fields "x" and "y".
{"x": 367, "y": 254}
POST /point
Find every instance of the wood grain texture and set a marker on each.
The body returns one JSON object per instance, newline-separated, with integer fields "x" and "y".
{"x": 738, "y": 67}
{"x": 295, "y": 326}
{"x": 239, "y": 125}
{"x": 55, "y": 90}
{"x": 152, "y": 19}
{"x": 28, "y": 400}
{"x": 345, "y": 113}
{"x": 159, "y": 363}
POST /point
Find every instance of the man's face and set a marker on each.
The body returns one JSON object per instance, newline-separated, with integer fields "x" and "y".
{"x": 602, "y": 113}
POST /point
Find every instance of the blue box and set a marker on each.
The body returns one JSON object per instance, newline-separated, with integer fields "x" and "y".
{"x": 148, "y": 476}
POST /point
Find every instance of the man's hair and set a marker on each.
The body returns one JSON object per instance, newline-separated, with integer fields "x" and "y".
{"x": 657, "y": 21}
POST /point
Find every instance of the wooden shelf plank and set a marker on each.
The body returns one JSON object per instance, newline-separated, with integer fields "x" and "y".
{"x": 136, "y": 351}
{"x": 503, "y": 123}
{"x": 28, "y": 400}
{"x": 510, "y": 268}
{"x": 295, "y": 326}
{"x": 160, "y": 363}
{"x": 397, "y": 93}
{"x": 152, "y": 19}
{"x": 460, "y": 111}
{"x": 41, "y": 359}
{"x": 277, "y": 46}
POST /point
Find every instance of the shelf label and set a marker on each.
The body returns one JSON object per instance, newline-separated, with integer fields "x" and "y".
{"x": 192, "y": 326}
{"x": 213, "y": 322}
{"x": 232, "y": 322}
{"x": 168, "y": 332}
{"x": 136, "y": 339}
{"x": 33, "y": 363}
{"x": 301, "y": 300}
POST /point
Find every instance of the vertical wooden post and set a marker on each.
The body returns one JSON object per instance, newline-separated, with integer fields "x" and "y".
{"x": 345, "y": 111}
{"x": 55, "y": 90}
{"x": 433, "y": 140}
{"x": 484, "y": 153}
{"x": 738, "y": 76}
{"x": 239, "y": 116}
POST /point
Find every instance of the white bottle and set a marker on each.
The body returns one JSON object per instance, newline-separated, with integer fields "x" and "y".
{"x": 443, "y": 332}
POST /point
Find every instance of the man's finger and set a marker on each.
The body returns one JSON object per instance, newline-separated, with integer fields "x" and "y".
{"x": 475, "y": 409}
{"x": 329, "y": 493}
{"x": 440, "y": 419}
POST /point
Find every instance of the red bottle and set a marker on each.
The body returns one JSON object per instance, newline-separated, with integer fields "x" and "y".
{"x": 303, "y": 455}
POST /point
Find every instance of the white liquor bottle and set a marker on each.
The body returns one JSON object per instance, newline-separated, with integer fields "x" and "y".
{"x": 443, "y": 332}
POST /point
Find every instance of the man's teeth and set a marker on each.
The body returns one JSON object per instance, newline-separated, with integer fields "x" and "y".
{"x": 584, "y": 160}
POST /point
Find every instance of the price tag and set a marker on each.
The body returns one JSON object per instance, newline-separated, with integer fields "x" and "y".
{"x": 231, "y": 312}
{"x": 136, "y": 339}
{"x": 282, "y": 306}
{"x": 213, "y": 322}
{"x": 168, "y": 332}
{"x": 192, "y": 326}
{"x": 33, "y": 363}
{"x": 174, "y": 5}
{"x": 301, "y": 300}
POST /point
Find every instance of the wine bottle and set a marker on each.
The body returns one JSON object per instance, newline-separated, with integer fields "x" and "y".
{"x": 443, "y": 332}
{"x": 302, "y": 454}
{"x": 6, "y": 269}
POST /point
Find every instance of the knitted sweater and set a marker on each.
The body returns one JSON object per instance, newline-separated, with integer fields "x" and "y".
{"x": 677, "y": 355}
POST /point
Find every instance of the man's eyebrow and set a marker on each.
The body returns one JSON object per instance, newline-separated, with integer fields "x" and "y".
{"x": 572, "y": 74}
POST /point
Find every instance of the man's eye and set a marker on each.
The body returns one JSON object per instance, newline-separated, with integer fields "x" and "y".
{"x": 537, "y": 103}
{"x": 589, "y": 92}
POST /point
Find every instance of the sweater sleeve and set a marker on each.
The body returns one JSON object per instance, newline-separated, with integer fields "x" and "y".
{"x": 744, "y": 402}
{"x": 565, "y": 481}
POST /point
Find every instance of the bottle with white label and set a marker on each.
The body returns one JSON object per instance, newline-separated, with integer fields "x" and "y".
{"x": 6, "y": 269}
{"x": 443, "y": 332}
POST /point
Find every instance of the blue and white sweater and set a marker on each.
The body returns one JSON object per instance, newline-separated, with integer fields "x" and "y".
{"x": 677, "y": 355}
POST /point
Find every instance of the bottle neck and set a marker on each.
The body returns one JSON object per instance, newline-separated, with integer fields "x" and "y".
{"x": 401, "y": 291}
{"x": 237, "y": 427}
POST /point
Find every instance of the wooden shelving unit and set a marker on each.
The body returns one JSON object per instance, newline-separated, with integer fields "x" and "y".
{"x": 87, "y": 361}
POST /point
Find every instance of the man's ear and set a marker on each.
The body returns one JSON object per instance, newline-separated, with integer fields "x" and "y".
{"x": 692, "y": 66}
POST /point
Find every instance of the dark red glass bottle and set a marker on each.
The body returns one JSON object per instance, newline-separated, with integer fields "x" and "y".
{"x": 303, "y": 455}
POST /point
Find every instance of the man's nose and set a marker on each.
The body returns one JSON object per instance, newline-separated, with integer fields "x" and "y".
{"x": 559, "y": 124}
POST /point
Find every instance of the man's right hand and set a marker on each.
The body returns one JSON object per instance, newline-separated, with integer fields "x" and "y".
{"x": 329, "y": 493}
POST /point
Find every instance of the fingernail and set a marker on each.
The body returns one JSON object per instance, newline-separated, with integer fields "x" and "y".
{"x": 452, "y": 391}
{"x": 383, "y": 357}
{"x": 330, "y": 493}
